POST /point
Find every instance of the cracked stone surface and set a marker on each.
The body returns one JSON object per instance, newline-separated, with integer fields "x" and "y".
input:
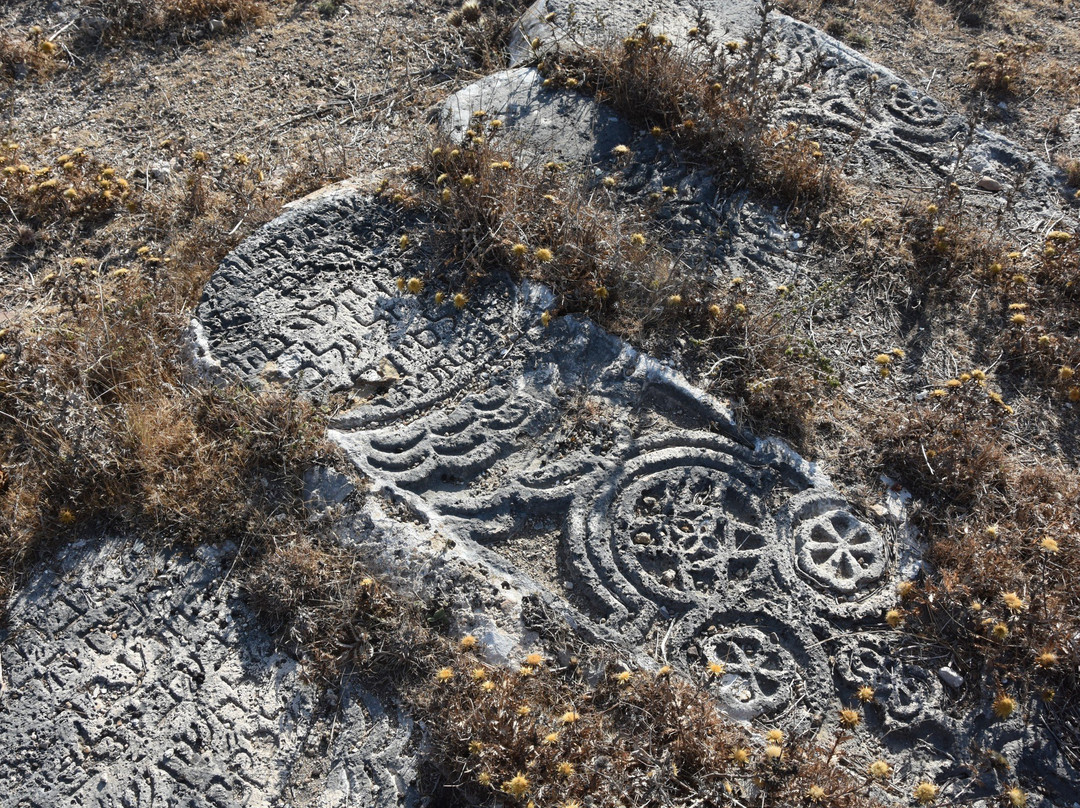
{"x": 138, "y": 679}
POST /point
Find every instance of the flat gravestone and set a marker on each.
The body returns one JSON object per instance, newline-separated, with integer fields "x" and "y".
{"x": 140, "y": 679}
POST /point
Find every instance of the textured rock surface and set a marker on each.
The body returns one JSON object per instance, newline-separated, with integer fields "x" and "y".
{"x": 657, "y": 508}
{"x": 568, "y": 24}
{"x": 137, "y": 679}
{"x": 554, "y": 464}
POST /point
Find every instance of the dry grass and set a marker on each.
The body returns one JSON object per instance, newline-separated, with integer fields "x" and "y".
{"x": 72, "y": 186}
{"x": 998, "y": 73}
{"x": 714, "y": 102}
{"x": 584, "y": 731}
{"x": 491, "y": 211}
{"x": 31, "y": 55}
{"x": 126, "y": 19}
{"x": 998, "y": 527}
{"x": 594, "y": 732}
{"x": 101, "y": 424}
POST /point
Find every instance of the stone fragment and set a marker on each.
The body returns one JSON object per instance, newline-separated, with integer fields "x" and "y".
{"x": 951, "y": 677}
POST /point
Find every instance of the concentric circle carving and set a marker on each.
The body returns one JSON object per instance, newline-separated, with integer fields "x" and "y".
{"x": 835, "y": 550}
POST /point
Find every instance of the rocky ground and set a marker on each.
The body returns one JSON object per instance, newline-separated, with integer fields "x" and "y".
{"x": 554, "y": 465}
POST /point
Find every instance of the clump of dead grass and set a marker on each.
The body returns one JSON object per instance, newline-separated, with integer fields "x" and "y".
{"x": 126, "y": 19}
{"x": 999, "y": 73}
{"x": 482, "y": 30}
{"x": 715, "y": 101}
{"x": 326, "y": 606}
{"x": 32, "y": 55}
{"x": 492, "y": 210}
{"x": 1039, "y": 303}
{"x": 1002, "y": 537}
{"x": 596, "y": 732}
{"x": 72, "y": 185}
{"x": 100, "y": 423}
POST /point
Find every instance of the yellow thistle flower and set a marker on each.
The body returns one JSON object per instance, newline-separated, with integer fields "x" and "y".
{"x": 638, "y": 239}
{"x": 460, "y": 300}
{"x": 524, "y": 710}
{"x": 67, "y": 516}
{"x": 1049, "y": 545}
{"x": 925, "y": 793}
{"x": 440, "y": 298}
{"x": 815, "y": 794}
{"x": 479, "y": 674}
{"x": 621, "y": 150}
{"x": 550, "y": 738}
{"x": 535, "y": 660}
{"x": 880, "y": 770}
{"x": 1004, "y": 706}
{"x": 774, "y": 736}
{"x": 717, "y": 668}
{"x": 850, "y": 718}
{"x": 893, "y": 618}
{"x": 414, "y": 285}
{"x": 483, "y": 779}
{"x": 1047, "y": 659}
{"x": 565, "y": 769}
{"x": 476, "y": 747}
{"x": 403, "y": 242}
{"x": 545, "y": 319}
{"x": 444, "y": 675}
{"x": 773, "y": 752}
{"x": 487, "y": 686}
{"x": 665, "y": 670}
{"x": 468, "y": 642}
{"x": 519, "y": 250}
{"x": 1013, "y": 602}
{"x": 999, "y": 632}
{"x": 1016, "y": 798}
{"x": 865, "y": 694}
{"x": 543, "y": 255}
{"x": 569, "y": 717}
{"x": 623, "y": 677}
{"x": 741, "y": 756}
{"x": 517, "y": 785}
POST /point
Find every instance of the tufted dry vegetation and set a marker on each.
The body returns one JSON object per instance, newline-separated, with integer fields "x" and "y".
{"x": 492, "y": 208}
{"x": 103, "y": 425}
{"x": 593, "y": 731}
{"x": 556, "y": 729}
{"x": 1002, "y": 533}
{"x": 22, "y": 55}
{"x": 113, "y": 20}
{"x": 715, "y": 101}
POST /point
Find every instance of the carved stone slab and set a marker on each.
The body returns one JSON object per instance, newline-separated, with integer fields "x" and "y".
{"x": 140, "y": 679}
